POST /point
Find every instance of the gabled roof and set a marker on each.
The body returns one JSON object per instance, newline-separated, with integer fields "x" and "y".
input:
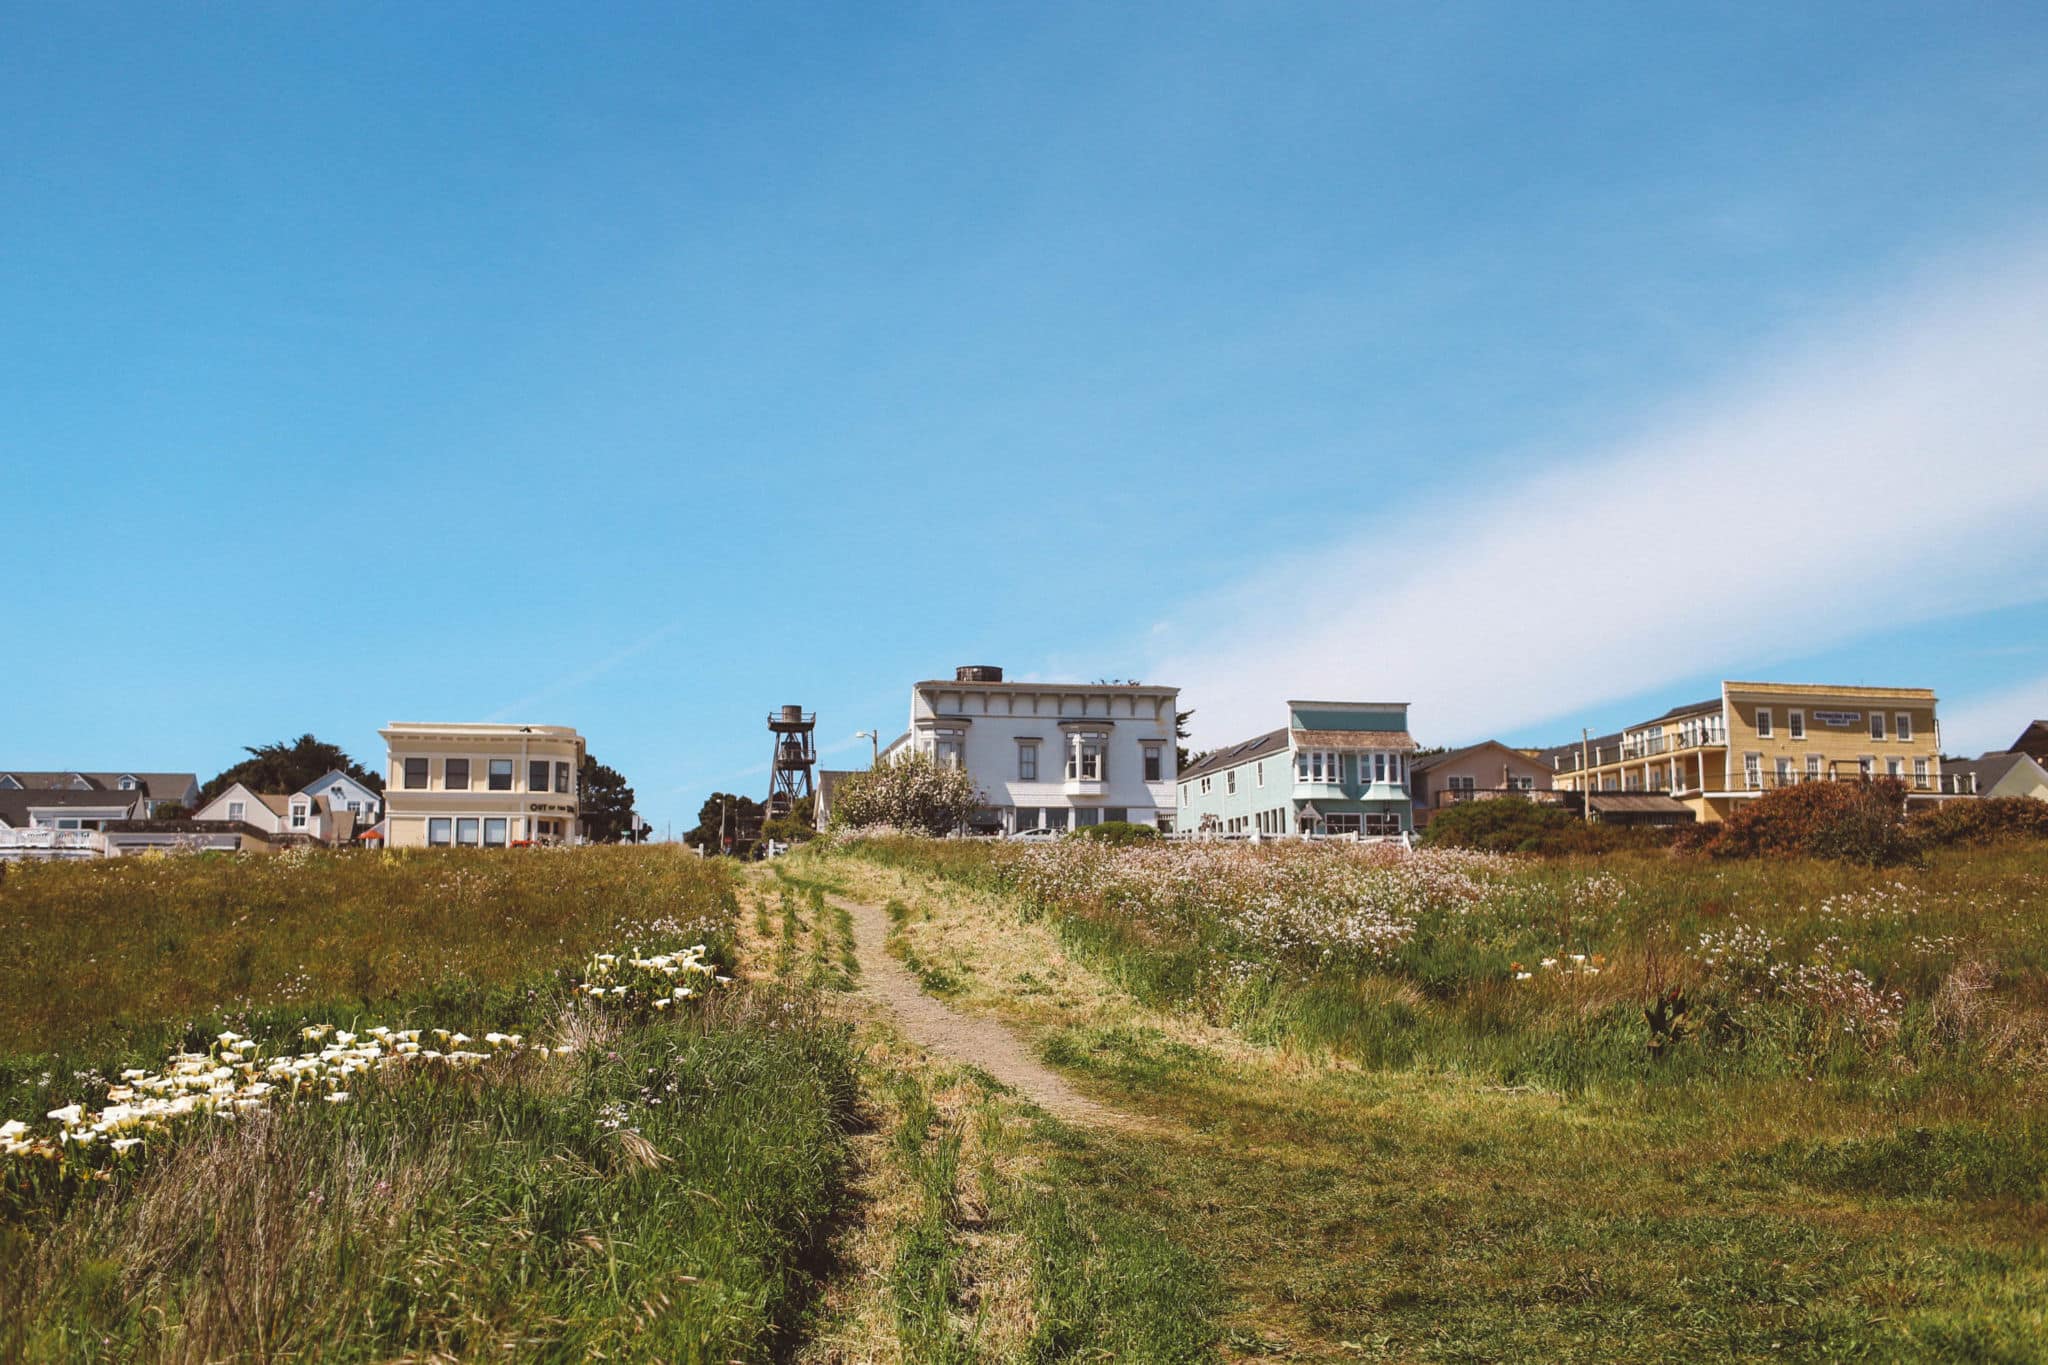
{"x": 1710, "y": 704}
{"x": 1272, "y": 742}
{"x": 1989, "y": 769}
{"x": 329, "y": 778}
{"x": 1428, "y": 761}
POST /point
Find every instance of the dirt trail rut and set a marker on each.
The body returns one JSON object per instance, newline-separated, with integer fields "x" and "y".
{"x": 966, "y": 1038}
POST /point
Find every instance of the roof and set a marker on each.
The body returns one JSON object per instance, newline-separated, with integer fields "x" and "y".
{"x": 2033, "y": 740}
{"x": 15, "y": 806}
{"x": 1710, "y": 704}
{"x": 1013, "y": 684}
{"x": 1637, "y": 803}
{"x": 331, "y": 776}
{"x": 1428, "y": 761}
{"x": 1272, "y": 742}
{"x": 1989, "y": 769}
{"x": 1348, "y": 740}
{"x": 1849, "y": 690}
{"x": 158, "y": 786}
{"x": 419, "y": 729}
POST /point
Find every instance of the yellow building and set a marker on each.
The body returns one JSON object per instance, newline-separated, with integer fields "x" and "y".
{"x": 1756, "y": 737}
{"x": 490, "y": 786}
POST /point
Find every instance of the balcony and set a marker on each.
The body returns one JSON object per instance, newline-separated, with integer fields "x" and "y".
{"x": 1930, "y": 785}
{"x": 1458, "y": 796}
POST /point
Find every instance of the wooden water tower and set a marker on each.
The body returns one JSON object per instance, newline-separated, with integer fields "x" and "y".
{"x": 796, "y": 754}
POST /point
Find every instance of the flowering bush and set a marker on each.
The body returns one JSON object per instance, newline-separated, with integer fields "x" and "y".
{"x": 910, "y": 793}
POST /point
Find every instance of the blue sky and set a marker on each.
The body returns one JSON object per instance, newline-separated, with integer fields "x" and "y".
{"x": 643, "y": 368}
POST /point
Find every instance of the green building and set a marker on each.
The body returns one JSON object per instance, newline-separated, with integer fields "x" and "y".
{"x": 1336, "y": 767}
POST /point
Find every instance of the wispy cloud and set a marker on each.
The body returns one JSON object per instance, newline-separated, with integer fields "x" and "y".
{"x": 584, "y": 676}
{"x": 1992, "y": 720}
{"x": 1890, "y": 467}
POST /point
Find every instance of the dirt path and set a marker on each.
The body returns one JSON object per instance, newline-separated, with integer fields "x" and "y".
{"x": 965, "y": 1038}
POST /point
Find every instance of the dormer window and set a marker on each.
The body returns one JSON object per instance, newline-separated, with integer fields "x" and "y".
{"x": 127, "y": 784}
{"x": 298, "y": 815}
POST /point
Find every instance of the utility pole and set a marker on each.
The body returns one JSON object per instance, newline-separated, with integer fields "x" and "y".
{"x": 874, "y": 739}
{"x": 1585, "y": 774}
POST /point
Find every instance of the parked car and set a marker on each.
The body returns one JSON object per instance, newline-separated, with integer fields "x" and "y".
{"x": 1038, "y": 835}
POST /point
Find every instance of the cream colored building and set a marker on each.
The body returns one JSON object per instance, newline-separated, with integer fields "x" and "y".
{"x": 1756, "y": 737}
{"x": 485, "y": 785}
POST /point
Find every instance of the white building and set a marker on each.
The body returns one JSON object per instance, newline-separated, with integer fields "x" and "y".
{"x": 1050, "y": 755}
{"x": 484, "y": 785}
{"x": 278, "y": 814}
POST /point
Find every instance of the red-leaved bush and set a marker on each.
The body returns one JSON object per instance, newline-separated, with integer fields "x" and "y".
{"x": 1861, "y": 822}
{"x": 1985, "y": 821}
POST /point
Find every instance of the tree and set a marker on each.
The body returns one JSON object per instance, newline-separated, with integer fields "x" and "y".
{"x": 289, "y": 767}
{"x": 606, "y": 805}
{"x": 741, "y": 817}
{"x": 913, "y": 793}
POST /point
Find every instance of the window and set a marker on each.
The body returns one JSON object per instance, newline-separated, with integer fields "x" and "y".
{"x": 1259, "y": 773}
{"x": 1155, "y": 763}
{"x": 355, "y": 808}
{"x": 1895, "y": 767}
{"x": 298, "y": 816}
{"x": 1205, "y": 786}
{"x": 1341, "y": 824}
{"x": 501, "y": 774}
{"x": 455, "y": 774}
{"x": 1183, "y": 793}
{"x": 536, "y": 774}
{"x": 562, "y": 779}
{"x": 416, "y": 774}
{"x": 1753, "y": 771}
{"x": 1319, "y": 766}
{"x": 1763, "y": 722}
{"x": 1902, "y": 727}
{"x": 236, "y": 809}
{"x": 1027, "y": 761}
{"x": 1784, "y": 771}
{"x": 126, "y": 784}
{"x": 1055, "y": 817}
{"x": 494, "y": 832}
{"x": 1877, "y": 725}
{"x": 1463, "y": 783}
{"x": 1866, "y": 765}
{"x": 1528, "y": 784}
{"x": 1920, "y": 772}
{"x": 1085, "y": 758}
{"x": 1116, "y": 815}
{"x": 467, "y": 829}
{"x": 439, "y": 831}
{"x": 1813, "y": 767}
{"x": 1230, "y": 782}
{"x": 1795, "y": 722}
{"x": 1379, "y": 768}
{"x": 1085, "y": 816}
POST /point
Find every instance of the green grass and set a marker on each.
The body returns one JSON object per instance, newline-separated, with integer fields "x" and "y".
{"x": 1416, "y": 1156}
{"x": 662, "y": 1192}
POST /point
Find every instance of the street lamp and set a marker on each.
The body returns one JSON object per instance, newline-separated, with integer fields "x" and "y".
{"x": 874, "y": 739}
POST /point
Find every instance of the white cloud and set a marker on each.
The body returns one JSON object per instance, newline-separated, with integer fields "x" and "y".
{"x": 1891, "y": 467}
{"x": 1992, "y": 720}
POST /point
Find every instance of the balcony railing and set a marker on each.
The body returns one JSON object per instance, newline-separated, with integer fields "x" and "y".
{"x": 1936, "y": 784}
{"x": 1457, "y": 796}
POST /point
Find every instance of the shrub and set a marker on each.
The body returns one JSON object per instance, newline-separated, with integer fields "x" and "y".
{"x": 788, "y": 829}
{"x": 912, "y": 793}
{"x": 1980, "y": 822}
{"x": 1858, "y": 822}
{"x": 1513, "y": 824}
{"x": 1117, "y": 833}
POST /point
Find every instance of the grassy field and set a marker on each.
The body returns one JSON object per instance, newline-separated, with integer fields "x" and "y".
{"x": 629, "y": 1183}
{"x": 1461, "y": 1107}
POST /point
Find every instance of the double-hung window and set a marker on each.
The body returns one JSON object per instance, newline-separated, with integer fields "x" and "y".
{"x": 501, "y": 776}
{"x": 1895, "y": 767}
{"x": 536, "y": 774}
{"x": 1902, "y": 727}
{"x": 1784, "y": 770}
{"x": 1813, "y": 762}
{"x": 1763, "y": 722}
{"x": 1920, "y": 772}
{"x": 1795, "y": 724}
{"x": 440, "y": 831}
{"x": 1877, "y": 725}
{"x": 1230, "y": 782}
{"x": 236, "y": 809}
{"x": 561, "y": 779}
{"x": 1155, "y": 763}
{"x": 1259, "y": 773}
{"x": 1027, "y": 760}
{"x": 1205, "y": 786}
{"x": 455, "y": 774}
{"x": 298, "y": 816}
{"x": 494, "y": 831}
{"x": 415, "y": 774}
{"x": 468, "y": 830}
{"x": 1753, "y": 771}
